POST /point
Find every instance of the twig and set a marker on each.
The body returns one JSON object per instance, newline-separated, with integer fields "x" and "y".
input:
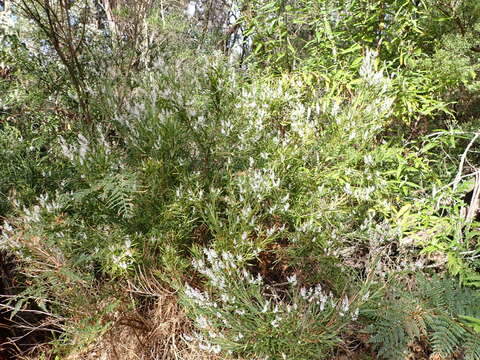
{"x": 435, "y": 192}
{"x": 462, "y": 161}
{"x": 474, "y": 203}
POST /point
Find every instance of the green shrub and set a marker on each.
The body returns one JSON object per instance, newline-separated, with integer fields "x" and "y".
{"x": 240, "y": 314}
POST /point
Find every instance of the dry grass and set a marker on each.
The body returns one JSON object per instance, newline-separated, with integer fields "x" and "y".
{"x": 152, "y": 333}
{"x": 152, "y": 330}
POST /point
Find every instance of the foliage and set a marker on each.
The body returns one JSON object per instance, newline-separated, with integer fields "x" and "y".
{"x": 244, "y": 316}
{"x": 438, "y": 310}
{"x": 270, "y": 194}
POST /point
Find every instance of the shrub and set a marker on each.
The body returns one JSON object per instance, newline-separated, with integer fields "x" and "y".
{"x": 240, "y": 314}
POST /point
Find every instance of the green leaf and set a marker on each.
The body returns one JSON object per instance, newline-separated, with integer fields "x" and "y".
{"x": 17, "y": 307}
{"x": 472, "y": 322}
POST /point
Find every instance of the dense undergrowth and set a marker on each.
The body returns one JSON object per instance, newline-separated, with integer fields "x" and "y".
{"x": 302, "y": 184}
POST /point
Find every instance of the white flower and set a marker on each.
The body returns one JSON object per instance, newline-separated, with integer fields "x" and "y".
{"x": 83, "y": 146}
{"x": 292, "y": 279}
{"x": 198, "y": 264}
{"x": 276, "y": 322}
{"x": 244, "y": 236}
{"x": 202, "y": 322}
{"x": 227, "y": 256}
{"x": 256, "y": 281}
{"x": 270, "y": 231}
{"x": 238, "y": 337}
{"x": 344, "y": 306}
{"x": 7, "y": 227}
{"x": 368, "y": 159}
{"x": 348, "y": 189}
{"x": 227, "y": 299}
{"x": 240, "y": 312}
{"x": 216, "y": 349}
{"x": 196, "y": 295}
{"x": 204, "y": 347}
{"x": 246, "y": 274}
{"x": 211, "y": 254}
{"x": 322, "y": 302}
{"x": 355, "y": 314}
{"x": 188, "y": 338}
{"x": 318, "y": 290}
{"x": 303, "y": 293}
{"x": 266, "y": 307}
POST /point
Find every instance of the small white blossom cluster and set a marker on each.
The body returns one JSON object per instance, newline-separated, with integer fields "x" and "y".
{"x": 366, "y": 114}
{"x": 122, "y": 256}
{"x": 309, "y": 227}
{"x": 219, "y": 269}
{"x": 317, "y": 296}
{"x": 369, "y": 73}
{"x": 258, "y": 183}
{"x": 231, "y": 281}
{"x": 256, "y": 106}
{"x": 45, "y": 206}
{"x": 198, "y": 297}
{"x": 84, "y": 150}
{"x": 7, "y": 22}
{"x": 301, "y": 123}
{"x": 51, "y": 206}
{"x": 76, "y": 151}
{"x": 30, "y": 217}
{"x": 201, "y": 340}
{"x": 7, "y": 239}
{"x": 360, "y": 193}
{"x": 238, "y": 302}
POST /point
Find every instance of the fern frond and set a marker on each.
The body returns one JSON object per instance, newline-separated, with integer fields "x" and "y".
{"x": 390, "y": 340}
{"x": 395, "y": 327}
{"x": 438, "y": 308}
{"x": 117, "y": 192}
{"x": 472, "y": 347}
{"x": 446, "y": 335}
